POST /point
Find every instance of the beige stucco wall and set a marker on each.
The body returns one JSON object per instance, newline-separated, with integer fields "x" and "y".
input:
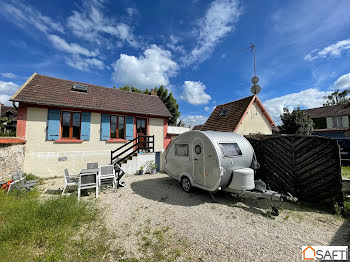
{"x": 255, "y": 122}
{"x": 156, "y": 126}
{"x": 42, "y": 157}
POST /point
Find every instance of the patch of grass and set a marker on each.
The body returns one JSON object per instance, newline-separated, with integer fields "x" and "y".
{"x": 345, "y": 171}
{"x": 156, "y": 246}
{"x": 50, "y": 230}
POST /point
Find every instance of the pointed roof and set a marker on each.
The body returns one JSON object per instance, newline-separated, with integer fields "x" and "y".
{"x": 51, "y": 91}
{"x": 234, "y": 113}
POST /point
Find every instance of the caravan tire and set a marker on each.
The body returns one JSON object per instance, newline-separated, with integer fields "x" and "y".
{"x": 186, "y": 184}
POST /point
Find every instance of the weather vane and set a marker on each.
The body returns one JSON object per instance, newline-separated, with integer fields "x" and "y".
{"x": 255, "y": 89}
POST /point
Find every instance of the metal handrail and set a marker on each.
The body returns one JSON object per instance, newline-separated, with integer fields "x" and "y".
{"x": 134, "y": 145}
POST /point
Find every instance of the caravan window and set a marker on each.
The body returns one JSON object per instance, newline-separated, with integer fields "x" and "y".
{"x": 181, "y": 149}
{"x": 230, "y": 149}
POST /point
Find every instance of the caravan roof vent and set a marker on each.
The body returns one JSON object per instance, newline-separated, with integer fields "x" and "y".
{"x": 80, "y": 88}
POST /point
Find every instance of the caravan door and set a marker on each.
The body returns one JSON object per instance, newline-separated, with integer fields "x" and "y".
{"x": 198, "y": 162}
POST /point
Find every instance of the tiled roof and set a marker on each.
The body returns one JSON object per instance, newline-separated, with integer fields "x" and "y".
{"x": 5, "y": 109}
{"x": 46, "y": 90}
{"x": 197, "y": 127}
{"x": 338, "y": 110}
{"x": 230, "y": 121}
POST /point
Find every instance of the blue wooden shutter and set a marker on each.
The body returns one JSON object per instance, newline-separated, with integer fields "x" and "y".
{"x": 105, "y": 126}
{"x": 85, "y": 126}
{"x": 129, "y": 127}
{"x": 53, "y": 124}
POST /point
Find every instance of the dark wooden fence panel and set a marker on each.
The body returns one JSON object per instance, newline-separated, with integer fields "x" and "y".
{"x": 308, "y": 167}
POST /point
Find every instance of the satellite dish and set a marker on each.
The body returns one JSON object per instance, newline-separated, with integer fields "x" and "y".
{"x": 255, "y": 80}
{"x": 255, "y": 89}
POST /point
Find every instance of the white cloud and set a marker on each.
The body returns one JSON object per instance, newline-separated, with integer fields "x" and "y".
{"x": 173, "y": 44}
{"x": 5, "y": 99}
{"x": 8, "y": 75}
{"x": 206, "y": 108}
{"x": 342, "y": 82}
{"x": 84, "y": 64}
{"x": 308, "y": 98}
{"x": 194, "y": 93}
{"x": 131, "y": 11}
{"x": 23, "y": 15}
{"x": 72, "y": 48}
{"x": 219, "y": 20}
{"x": 90, "y": 23}
{"x": 151, "y": 69}
{"x": 334, "y": 50}
{"x": 193, "y": 120}
{"x": 7, "y": 89}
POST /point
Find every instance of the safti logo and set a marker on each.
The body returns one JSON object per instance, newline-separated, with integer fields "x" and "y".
{"x": 325, "y": 253}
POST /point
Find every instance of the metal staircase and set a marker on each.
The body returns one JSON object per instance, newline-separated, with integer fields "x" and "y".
{"x": 125, "y": 152}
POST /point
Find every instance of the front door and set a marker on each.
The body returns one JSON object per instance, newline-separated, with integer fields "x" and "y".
{"x": 141, "y": 130}
{"x": 198, "y": 161}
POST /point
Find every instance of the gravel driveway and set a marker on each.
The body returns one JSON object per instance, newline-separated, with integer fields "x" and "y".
{"x": 153, "y": 215}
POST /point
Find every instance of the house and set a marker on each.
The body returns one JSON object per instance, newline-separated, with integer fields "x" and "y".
{"x": 198, "y": 127}
{"x": 331, "y": 121}
{"x": 67, "y": 124}
{"x": 8, "y": 119}
{"x": 246, "y": 116}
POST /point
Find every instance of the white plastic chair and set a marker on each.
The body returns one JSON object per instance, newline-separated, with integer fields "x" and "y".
{"x": 70, "y": 180}
{"x": 106, "y": 173}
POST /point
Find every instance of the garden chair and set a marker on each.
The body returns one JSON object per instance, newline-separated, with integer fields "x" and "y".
{"x": 92, "y": 165}
{"x": 70, "y": 180}
{"x": 20, "y": 182}
{"x": 106, "y": 173}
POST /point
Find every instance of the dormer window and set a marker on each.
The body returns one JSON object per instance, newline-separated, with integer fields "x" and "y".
{"x": 223, "y": 112}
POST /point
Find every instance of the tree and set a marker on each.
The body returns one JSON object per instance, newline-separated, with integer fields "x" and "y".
{"x": 296, "y": 122}
{"x": 337, "y": 98}
{"x": 169, "y": 101}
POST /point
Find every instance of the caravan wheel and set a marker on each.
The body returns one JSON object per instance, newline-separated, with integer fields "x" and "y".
{"x": 186, "y": 184}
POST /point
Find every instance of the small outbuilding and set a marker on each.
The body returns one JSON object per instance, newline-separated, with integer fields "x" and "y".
{"x": 246, "y": 116}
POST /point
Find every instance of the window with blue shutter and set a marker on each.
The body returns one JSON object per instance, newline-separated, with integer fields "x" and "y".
{"x": 105, "y": 126}
{"x": 85, "y": 126}
{"x": 129, "y": 127}
{"x": 53, "y": 124}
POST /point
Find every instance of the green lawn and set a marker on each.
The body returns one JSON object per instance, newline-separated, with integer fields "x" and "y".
{"x": 345, "y": 171}
{"x": 32, "y": 229}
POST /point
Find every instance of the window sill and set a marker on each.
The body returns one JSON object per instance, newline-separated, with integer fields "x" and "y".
{"x": 69, "y": 141}
{"x": 117, "y": 141}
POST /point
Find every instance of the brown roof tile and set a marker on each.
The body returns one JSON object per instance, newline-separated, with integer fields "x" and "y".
{"x": 230, "y": 121}
{"x": 338, "y": 110}
{"x": 5, "y": 109}
{"x": 46, "y": 90}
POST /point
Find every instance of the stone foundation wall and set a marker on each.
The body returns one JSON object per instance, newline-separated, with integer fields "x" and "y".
{"x": 11, "y": 159}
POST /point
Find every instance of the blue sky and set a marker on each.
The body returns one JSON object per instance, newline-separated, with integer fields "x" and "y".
{"x": 191, "y": 47}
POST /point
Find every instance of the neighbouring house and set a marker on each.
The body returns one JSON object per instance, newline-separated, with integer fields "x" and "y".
{"x": 8, "y": 119}
{"x": 198, "y": 127}
{"x": 246, "y": 116}
{"x": 66, "y": 124}
{"x": 331, "y": 121}
{"x": 175, "y": 131}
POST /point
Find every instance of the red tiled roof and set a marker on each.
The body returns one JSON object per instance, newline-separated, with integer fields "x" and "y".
{"x": 197, "y": 127}
{"x": 234, "y": 115}
{"x": 46, "y": 90}
{"x": 230, "y": 121}
{"x": 338, "y": 110}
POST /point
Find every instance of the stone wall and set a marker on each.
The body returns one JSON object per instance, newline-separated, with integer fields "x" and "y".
{"x": 11, "y": 159}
